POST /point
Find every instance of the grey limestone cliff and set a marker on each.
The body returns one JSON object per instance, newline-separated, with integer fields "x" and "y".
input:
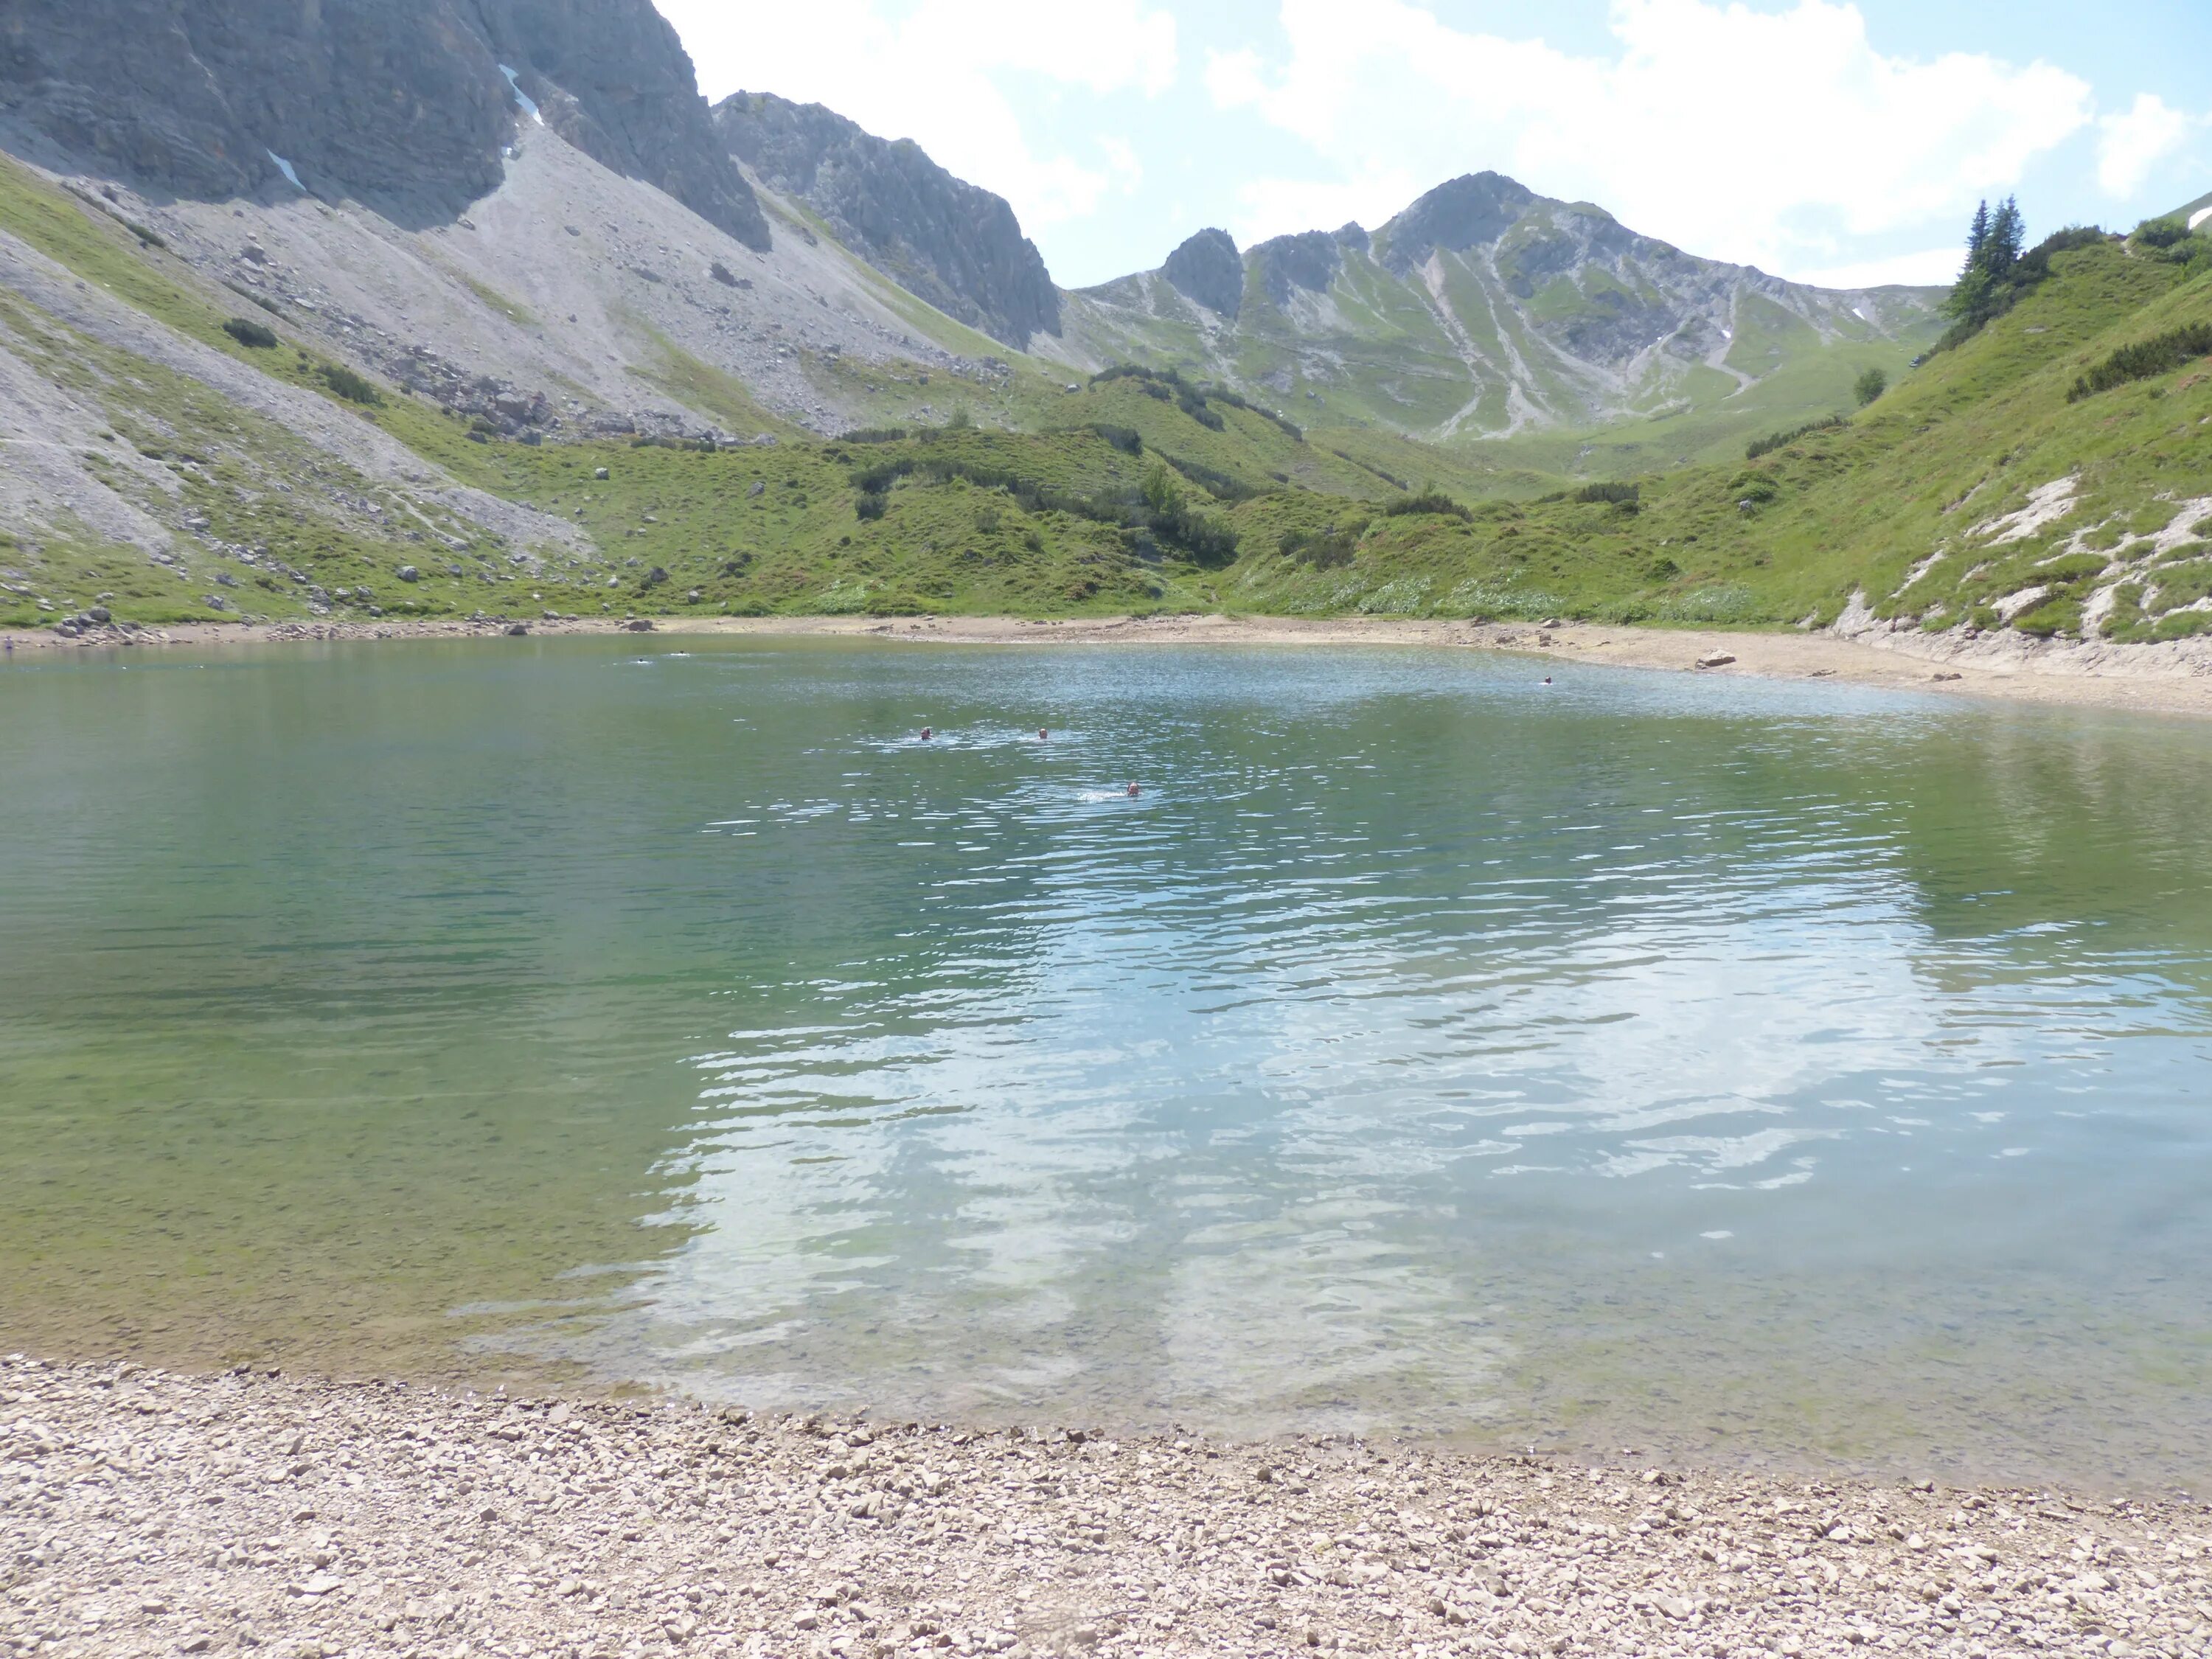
{"x": 955, "y": 245}
{"x": 1208, "y": 269}
{"x": 402, "y": 104}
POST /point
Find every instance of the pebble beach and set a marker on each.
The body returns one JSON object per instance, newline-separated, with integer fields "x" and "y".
{"x": 145, "y": 1513}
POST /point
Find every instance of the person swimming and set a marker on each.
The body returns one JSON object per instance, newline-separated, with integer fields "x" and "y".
{"x": 1134, "y": 792}
{"x": 1043, "y": 736}
{"x": 927, "y": 732}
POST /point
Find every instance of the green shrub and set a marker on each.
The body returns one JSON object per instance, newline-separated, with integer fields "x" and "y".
{"x": 2160, "y": 233}
{"x": 1773, "y": 441}
{"x": 1127, "y": 439}
{"x": 1620, "y": 495}
{"x": 871, "y": 505}
{"x": 875, "y": 435}
{"x": 1869, "y": 387}
{"x": 2146, "y": 360}
{"x": 251, "y": 334}
{"x": 1220, "y": 485}
{"x": 353, "y": 387}
{"x": 1427, "y": 502}
{"x": 1326, "y": 549}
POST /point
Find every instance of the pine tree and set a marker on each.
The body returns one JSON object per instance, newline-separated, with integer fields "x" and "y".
{"x": 1978, "y": 241}
{"x": 2008, "y": 234}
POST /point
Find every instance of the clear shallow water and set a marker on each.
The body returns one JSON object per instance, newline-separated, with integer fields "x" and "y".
{"x": 1763, "y": 1073}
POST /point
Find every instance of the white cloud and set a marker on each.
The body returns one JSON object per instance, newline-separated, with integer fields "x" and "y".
{"x": 1775, "y": 138}
{"x": 1123, "y": 162}
{"x": 2129, "y": 146}
{"x": 933, "y": 73}
{"x": 1936, "y": 267}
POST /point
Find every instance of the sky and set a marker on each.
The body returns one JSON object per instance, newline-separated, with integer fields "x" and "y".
{"x": 1841, "y": 144}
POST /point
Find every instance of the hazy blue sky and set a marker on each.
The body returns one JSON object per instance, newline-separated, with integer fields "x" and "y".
{"x": 1817, "y": 140}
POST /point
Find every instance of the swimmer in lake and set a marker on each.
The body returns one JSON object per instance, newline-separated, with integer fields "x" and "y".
{"x": 927, "y": 733}
{"x": 1134, "y": 792}
{"x": 1043, "y": 736}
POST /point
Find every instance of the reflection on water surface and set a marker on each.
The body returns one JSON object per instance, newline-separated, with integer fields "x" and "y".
{"x": 1749, "y": 1071}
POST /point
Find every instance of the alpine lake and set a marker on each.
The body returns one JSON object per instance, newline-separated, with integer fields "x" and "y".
{"x": 1743, "y": 1072}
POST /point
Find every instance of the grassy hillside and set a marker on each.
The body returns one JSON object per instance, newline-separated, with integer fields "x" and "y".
{"x": 1980, "y": 490}
{"x": 1929, "y": 473}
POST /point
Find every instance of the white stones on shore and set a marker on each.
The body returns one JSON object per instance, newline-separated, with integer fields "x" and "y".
{"x": 146, "y": 1514}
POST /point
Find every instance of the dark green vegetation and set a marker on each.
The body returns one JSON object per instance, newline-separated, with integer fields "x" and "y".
{"x": 2145, "y": 360}
{"x": 1970, "y": 490}
{"x": 253, "y": 334}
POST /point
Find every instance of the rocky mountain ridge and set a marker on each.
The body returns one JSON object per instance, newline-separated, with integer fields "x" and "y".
{"x": 959, "y": 247}
{"x": 523, "y": 210}
{"x": 1485, "y": 310}
{"x": 408, "y": 105}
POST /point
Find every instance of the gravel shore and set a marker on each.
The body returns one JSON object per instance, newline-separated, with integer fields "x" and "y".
{"x": 142, "y": 1513}
{"x": 2171, "y": 678}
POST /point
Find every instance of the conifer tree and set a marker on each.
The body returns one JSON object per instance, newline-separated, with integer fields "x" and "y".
{"x": 2007, "y": 236}
{"x": 1978, "y": 240}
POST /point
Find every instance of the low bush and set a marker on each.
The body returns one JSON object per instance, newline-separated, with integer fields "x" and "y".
{"x": 1427, "y": 502}
{"x": 2160, "y": 233}
{"x": 875, "y": 435}
{"x": 1220, "y": 485}
{"x": 1775, "y": 440}
{"x": 1127, "y": 439}
{"x": 353, "y": 387}
{"x": 1869, "y": 387}
{"x": 1326, "y": 549}
{"x": 1620, "y": 495}
{"x": 871, "y": 505}
{"x": 251, "y": 334}
{"x": 1156, "y": 508}
{"x": 2145, "y": 360}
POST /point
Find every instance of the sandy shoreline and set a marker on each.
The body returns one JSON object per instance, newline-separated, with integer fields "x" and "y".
{"x": 2163, "y": 680}
{"x": 146, "y": 1513}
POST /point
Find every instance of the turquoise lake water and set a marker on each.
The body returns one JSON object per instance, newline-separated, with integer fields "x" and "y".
{"x": 1748, "y": 1072}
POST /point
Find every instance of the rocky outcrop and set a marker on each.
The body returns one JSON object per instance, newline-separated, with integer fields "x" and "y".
{"x": 1208, "y": 269}
{"x": 956, "y": 245}
{"x": 1288, "y": 263}
{"x": 621, "y": 87}
{"x": 1470, "y": 211}
{"x": 402, "y": 104}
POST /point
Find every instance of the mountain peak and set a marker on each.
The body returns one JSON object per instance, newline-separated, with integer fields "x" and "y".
{"x": 1469, "y": 211}
{"x": 1208, "y": 271}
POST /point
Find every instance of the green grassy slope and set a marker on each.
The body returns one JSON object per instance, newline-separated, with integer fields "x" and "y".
{"x": 1859, "y": 508}
{"x": 1907, "y": 504}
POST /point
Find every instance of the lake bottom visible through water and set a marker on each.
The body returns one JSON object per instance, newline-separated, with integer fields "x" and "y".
{"x": 1739, "y": 1072}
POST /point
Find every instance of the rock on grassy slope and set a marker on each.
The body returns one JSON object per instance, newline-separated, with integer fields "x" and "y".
{"x": 1485, "y": 311}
